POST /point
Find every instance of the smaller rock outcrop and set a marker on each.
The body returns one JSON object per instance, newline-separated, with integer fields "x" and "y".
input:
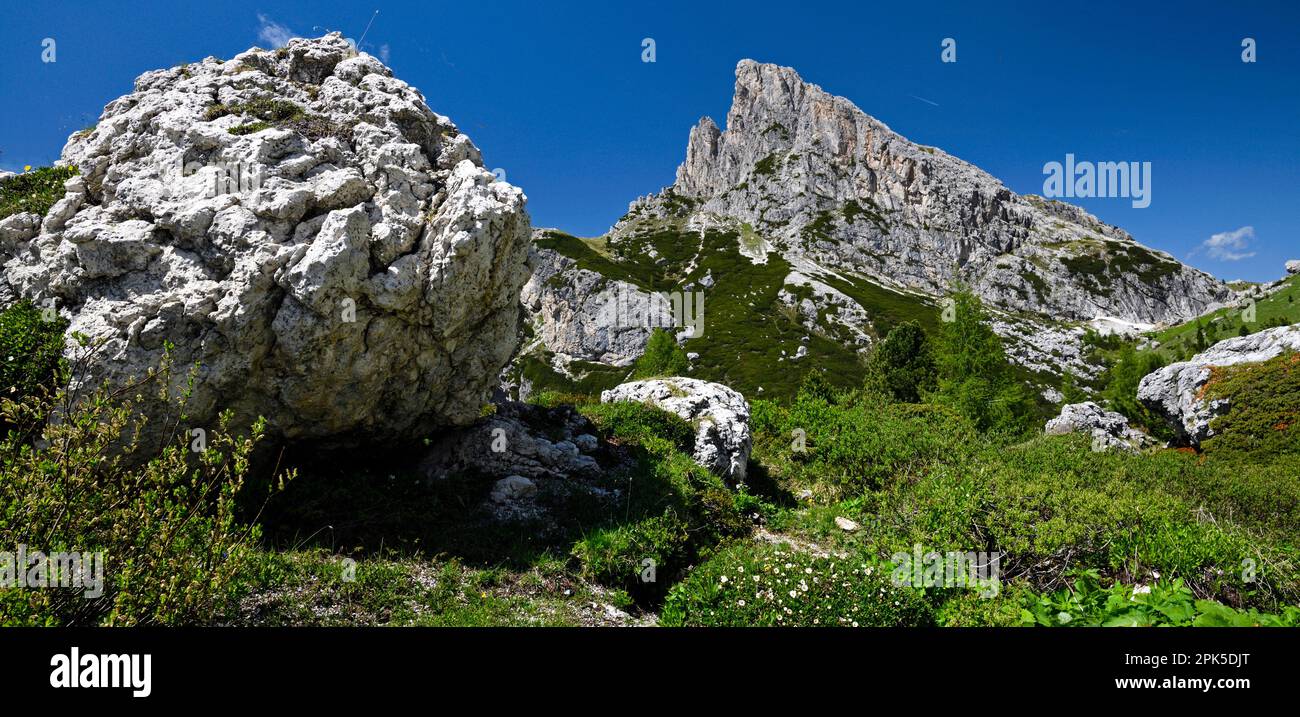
{"x": 1293, "y": 266}
{"x": 719, "y": 414}
{"x": 1109, "y": 430}
{"x": 1177, "y": 392}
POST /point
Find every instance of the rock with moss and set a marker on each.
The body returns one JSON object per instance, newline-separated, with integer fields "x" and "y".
{"x": 349, "y": 270}
{"x": 1177, "y": 393}
{"x": 719, "y": 414}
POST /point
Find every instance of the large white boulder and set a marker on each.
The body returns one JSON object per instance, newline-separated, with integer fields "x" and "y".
{"x": 1176, "y": 393}
{"x": 719, "y": 414}
{"x": 341, "y": 264}
{"x": 1109, "y": 430}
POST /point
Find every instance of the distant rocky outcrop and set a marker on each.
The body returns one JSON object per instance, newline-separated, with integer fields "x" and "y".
{"x": 1177, "y": 392}
{"x": 1109, "y": 430}
{"x": 719, "y": 414}
{"x": 329, "y": 251}
{"x": 1293, "y": 266}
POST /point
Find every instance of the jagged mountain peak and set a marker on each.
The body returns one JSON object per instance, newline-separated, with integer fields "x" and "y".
{"x": 819, "y": 179}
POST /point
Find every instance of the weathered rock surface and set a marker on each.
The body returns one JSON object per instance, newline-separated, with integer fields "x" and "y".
{"x": 342, "y": 265}
{"x": 1109, "y": 430}
{"x": 719, "y": 414}
{"x": 1293, "y": 266}
{"x": 16, "y": 229}
{"x": 1176, "y": 392}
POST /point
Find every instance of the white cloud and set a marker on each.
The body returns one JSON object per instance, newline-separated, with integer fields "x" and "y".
{"x": 383, "y": 53}
{"x": 273, "y": 33}
{"x": 1230, "y": 246}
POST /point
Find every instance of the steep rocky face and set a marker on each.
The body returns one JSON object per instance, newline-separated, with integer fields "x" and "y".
{"x": 299, "y": 224}
{"x": 1177, "y": 392}
{"x": 825, "y": 183}
{"x": 577, "y": 311}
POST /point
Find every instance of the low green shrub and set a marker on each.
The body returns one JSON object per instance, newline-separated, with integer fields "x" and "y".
{"x": 172, "y": 550}
{"x": 674, "y": 510}
{"x": 642, "y": 558}
{"x": 752, "y": 584}
{"x": 626, "y": 421}
{"x": 1053, "y": 505}
{"x": 31, "y": 349}
{"x": 854, "y": 442}
{"x": 1263, "y": 414}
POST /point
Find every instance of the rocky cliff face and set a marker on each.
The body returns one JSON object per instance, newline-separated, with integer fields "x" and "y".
{"x": 576, "y": 311}
{"x": 299, "y": 224}
{"x": 823, "y": 181}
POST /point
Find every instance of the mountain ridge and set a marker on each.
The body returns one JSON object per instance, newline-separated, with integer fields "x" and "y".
{"x": 793, "y": 156}
{"x": 868, "y": 229}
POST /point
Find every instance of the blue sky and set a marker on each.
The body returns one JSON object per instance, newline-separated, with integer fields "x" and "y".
{"x": 556, "y": 94}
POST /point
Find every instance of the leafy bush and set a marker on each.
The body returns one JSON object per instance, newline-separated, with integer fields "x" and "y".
{"x": 662, "y": 357}
{"x": 35, "y": 191}
{"x": 1164, "y": 603}
{"x": 673, "y": 510}
{"x": 31, "y": 351}
{"x": 854, "y": 443}
{"x": 172, "y": 548}
{"x": 632, "y": 557}
{"x": 902, "y": 366}
{"x": 1053, "y": 505}
{"x": 760, "y": 584}
{"x": 1121, "y": 387}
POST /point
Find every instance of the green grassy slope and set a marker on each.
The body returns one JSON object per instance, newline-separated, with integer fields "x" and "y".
{"x": 1282, "y": 307}
{"x": 746, "y": 327}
